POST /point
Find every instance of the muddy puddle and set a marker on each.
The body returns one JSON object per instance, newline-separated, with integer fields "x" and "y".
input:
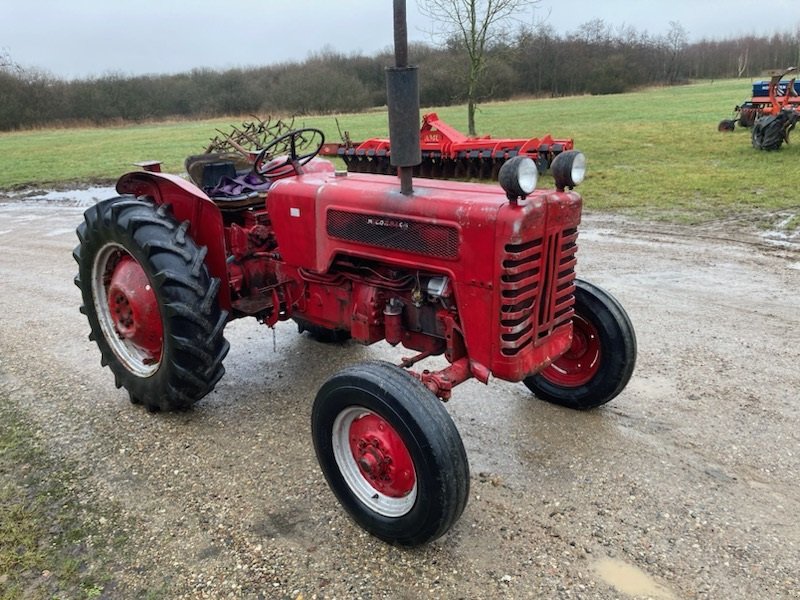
{"x": 630, "y": 580}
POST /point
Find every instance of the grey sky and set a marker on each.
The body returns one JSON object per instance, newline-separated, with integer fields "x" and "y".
{"x": 80, "y": 38}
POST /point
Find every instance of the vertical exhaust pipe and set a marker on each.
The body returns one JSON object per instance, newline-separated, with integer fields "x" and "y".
{"x": 402, "y": 97}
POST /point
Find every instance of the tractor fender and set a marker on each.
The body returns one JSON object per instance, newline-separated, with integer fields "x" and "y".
{"x": 189, "y": 203}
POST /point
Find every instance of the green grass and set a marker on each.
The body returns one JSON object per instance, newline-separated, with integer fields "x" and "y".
{"x": 654, "y": 153}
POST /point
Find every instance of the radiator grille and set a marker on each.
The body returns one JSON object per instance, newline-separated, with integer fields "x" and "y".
{"x": 430, "y": 239}
{"x": 536, "y": 289}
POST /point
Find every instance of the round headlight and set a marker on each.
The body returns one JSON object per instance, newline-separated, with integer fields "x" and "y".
{"x": 518, "y": 177}
{"x": 569, "y": 169}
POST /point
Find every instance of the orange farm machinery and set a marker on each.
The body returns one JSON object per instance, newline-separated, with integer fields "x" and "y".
{"x": 449, "y": 154}
{"x": 772, "y": 111}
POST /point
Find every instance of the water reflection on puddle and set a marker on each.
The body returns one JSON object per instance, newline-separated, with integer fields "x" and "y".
{"x": 83, "y": 197}
{"x": 630, "y": 580}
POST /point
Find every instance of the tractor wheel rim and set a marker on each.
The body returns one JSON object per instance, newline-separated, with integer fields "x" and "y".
{"x": 581, "y": 362}
{"x": 374, "y": 462}
{"x": 127, "y": 310}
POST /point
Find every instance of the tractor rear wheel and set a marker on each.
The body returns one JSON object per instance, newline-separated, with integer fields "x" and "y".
{"x": 151, "y": 304}
{"x": 390, "y": 453}
{"x": 600, "y": 361}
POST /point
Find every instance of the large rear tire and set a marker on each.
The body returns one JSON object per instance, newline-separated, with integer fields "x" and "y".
{"x": 390, "y": 453}
{"x": 600, "y": 362}
{"x": 151, "y": 304}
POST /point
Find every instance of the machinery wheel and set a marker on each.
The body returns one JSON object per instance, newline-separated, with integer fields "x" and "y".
{"x": 600, "y": 361}
{"x": 747, "y": 116}
{"x": 151, "y": 305}
{"x": 390, "y": 453}
{"x": 771, "y": 131}
{"x": 726, "y": 125}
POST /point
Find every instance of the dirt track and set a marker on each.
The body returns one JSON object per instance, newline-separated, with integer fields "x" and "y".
{"x": 686, "y": 486}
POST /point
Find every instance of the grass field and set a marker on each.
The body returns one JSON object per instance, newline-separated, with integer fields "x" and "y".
{"x": 654, "y": 153}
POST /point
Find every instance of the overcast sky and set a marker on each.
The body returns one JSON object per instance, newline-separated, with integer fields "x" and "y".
{"x": 82, "y": 38}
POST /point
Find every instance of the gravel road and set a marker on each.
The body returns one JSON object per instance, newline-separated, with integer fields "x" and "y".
{"x": 685, "y": 486}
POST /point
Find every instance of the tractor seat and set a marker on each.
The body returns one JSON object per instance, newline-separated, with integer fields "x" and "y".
{"x": 228, "y": 179}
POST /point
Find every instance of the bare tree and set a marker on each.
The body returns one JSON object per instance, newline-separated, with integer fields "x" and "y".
{"x": 477, "y": 24}
{"x": 7, "y": 63}
{"x": 741, "y": 65}
{"x": 676, "y": 41}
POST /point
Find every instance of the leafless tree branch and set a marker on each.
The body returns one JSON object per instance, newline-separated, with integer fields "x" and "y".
{"x": 478, "y": 24}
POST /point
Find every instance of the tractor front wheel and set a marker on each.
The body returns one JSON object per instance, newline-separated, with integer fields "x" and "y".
{"x": 600, "y": 361}
{"x": 151, "y": 304}
{"x": 390, "y": 453}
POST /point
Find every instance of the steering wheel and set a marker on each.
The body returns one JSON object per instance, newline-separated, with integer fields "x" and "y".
{"x": 276, "y": 168}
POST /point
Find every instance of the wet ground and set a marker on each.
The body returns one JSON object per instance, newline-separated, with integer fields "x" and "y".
{"x": 685, "y": 486}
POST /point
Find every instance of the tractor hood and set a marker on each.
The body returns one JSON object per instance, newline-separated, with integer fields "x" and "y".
{"x": 445, "y": 225}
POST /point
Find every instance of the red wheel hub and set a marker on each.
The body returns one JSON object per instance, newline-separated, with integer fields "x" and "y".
{"x": 581, "y": 362}
{"x": 133, "y": 308}
{"x": 381, "y": 456}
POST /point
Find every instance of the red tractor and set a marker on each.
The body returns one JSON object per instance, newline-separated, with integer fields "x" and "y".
{"x": 481, "y": 274}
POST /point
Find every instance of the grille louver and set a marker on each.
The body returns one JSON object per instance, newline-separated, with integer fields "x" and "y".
{"x": 536, "y": 289}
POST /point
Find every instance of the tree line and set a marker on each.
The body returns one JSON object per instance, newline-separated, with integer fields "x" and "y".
{"x": 597, "y": 58}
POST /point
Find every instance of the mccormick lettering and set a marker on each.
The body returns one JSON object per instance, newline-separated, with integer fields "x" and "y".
{"x": 393, "y": 223}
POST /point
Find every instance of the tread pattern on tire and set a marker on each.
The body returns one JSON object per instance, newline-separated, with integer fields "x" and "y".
{"x": 617, "y": 369}
{"x": 194, "y": 347}
{"x": 446, "y": 450}
{"x": 769, "y": 132}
